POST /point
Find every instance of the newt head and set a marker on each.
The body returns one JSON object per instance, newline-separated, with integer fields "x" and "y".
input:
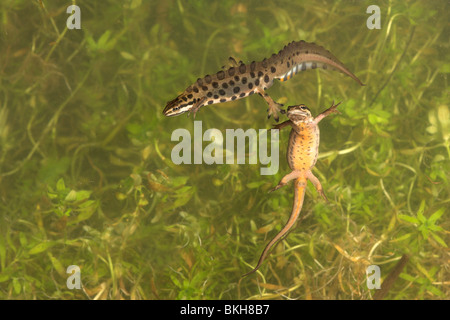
{"x": 298, "y": 114}
{"x": 181, "y": 104}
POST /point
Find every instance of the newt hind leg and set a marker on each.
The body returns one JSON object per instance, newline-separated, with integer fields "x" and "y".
{"x": 234, "y": 63}
{"x": 290, "y": 176}
{"x": 317, "y": 185}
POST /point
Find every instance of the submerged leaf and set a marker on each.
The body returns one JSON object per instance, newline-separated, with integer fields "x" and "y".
{"x": 41, "y": 247}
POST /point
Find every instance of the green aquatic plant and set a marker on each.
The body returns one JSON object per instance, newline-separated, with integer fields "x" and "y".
{"x": 86, "y": 176}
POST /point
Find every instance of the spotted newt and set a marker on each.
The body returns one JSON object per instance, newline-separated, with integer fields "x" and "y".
{"x": 241, "y": 80}
{"x": 302, "y": 155}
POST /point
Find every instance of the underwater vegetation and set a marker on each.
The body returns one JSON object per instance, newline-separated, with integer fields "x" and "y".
{"x": 86, "y": 176}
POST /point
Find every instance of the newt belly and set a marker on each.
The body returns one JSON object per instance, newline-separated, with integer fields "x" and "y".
{"x": 242, "y": 80}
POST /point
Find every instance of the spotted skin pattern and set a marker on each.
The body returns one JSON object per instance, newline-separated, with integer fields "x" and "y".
{"x": 242, "y": 80}
{"x": 302, "y": 154}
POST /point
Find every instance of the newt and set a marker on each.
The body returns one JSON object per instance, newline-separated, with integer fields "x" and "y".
{"x": 303, "y": 150}
{"x": 242, "y": 80}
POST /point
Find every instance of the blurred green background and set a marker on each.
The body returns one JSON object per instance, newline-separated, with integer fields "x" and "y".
{"x": 86, "y": 177}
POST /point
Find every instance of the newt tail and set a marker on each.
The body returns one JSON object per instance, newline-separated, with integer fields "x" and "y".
{"x": 299, "y": 195}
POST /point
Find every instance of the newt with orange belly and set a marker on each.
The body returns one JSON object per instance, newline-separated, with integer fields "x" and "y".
{"x": 243, "y": 80}
{"x": 302, "y": 154}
